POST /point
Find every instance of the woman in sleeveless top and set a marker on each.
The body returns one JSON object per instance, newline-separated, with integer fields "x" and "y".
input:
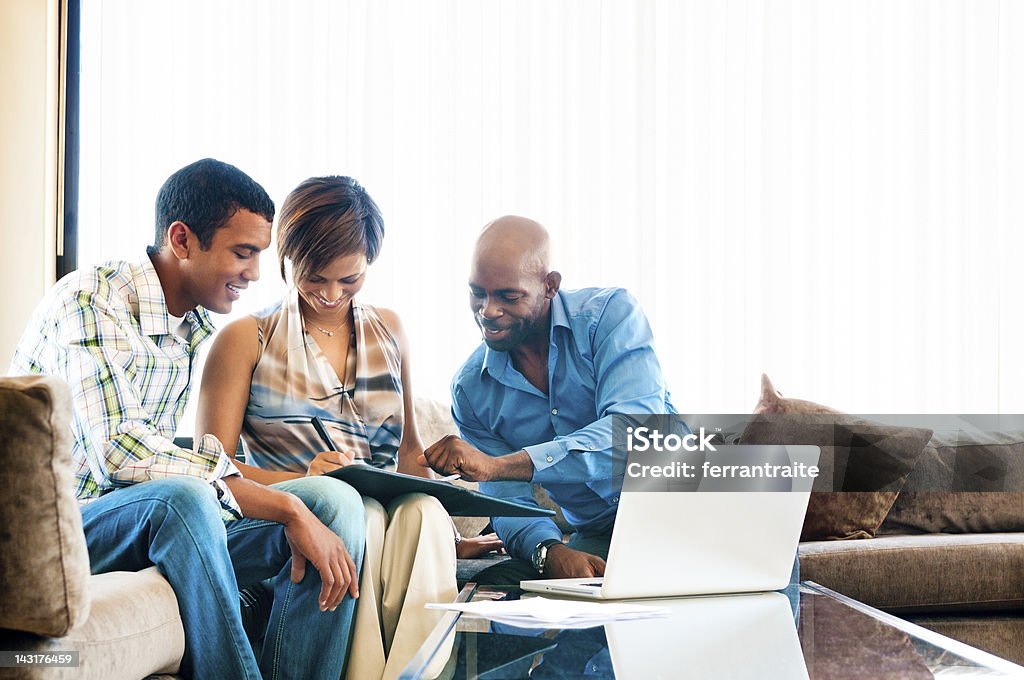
{"x": 321, "y": 353}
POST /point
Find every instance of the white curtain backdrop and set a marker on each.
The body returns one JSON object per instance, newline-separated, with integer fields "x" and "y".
{"x": 829, "y": 192}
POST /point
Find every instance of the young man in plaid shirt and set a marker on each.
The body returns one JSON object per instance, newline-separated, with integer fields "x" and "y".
{"x": 124, "y": 336}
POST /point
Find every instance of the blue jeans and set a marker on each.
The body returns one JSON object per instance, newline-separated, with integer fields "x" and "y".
{"x": 176, "y": 525}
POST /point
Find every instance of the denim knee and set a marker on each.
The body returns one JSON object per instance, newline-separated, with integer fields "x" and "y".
{"x": 190, "y": 499}
{"x": 334, "y": 502}
{"x": 180, "y": 488}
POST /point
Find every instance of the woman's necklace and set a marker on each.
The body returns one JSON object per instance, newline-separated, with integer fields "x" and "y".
{"x": 329, "y": 333}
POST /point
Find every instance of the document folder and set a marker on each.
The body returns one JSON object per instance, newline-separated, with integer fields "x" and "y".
{"x": 459, "y": 501}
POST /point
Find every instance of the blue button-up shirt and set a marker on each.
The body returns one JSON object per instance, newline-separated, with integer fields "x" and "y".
{"x": 601, "y": 362}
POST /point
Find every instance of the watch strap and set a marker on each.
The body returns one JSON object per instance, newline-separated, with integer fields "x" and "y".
{"x": 540, "y": 553}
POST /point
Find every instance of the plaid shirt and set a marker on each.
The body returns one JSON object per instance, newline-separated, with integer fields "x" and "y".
{"x": 105, "y": 330}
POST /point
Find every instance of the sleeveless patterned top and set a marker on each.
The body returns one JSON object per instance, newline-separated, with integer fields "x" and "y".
{"x": 293, "y": 381}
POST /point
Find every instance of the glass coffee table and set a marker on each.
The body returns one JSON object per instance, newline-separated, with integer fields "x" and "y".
{"x": 817, "y": 634}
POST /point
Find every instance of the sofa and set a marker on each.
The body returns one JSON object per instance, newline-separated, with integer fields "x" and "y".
{"x": 952, "y": 560}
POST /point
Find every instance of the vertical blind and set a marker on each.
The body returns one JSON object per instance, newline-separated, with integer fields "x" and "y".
{"x": 826, "y": 192}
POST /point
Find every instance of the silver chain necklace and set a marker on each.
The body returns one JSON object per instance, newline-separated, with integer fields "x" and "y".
{"x": 329, "y": 333}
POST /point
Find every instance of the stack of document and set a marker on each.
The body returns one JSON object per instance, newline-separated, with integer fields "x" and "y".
{"x": 541, "y": 612}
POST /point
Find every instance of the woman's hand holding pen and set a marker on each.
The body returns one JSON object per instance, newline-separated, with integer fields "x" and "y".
{"x": 328, "y": 461}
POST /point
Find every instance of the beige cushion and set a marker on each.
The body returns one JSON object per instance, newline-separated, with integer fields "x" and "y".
{"x": 44, "y": 564}
{"x": 133, "y": 630}
{"x": 963, "y": 483}
{"x": 433, "y": 420}
{"x": 927, "y": 572}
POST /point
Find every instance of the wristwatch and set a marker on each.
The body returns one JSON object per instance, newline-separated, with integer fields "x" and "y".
{"x": 540, "y": 554}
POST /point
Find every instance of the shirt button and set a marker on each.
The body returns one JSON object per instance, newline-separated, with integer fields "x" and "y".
{"x": 554, "y": 411}
{"x": 550, "y": 459}
{"x": 615, "y": 499}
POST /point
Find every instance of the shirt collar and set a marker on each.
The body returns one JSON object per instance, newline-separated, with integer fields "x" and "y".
{"x": 559, "y": 315}
{"x": 496, "y": 362}
{"x": 202, "y": 325}
{"x": 153, "y": 315}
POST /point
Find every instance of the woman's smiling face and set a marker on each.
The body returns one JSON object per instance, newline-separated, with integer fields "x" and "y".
{"x": 332, "y": 288}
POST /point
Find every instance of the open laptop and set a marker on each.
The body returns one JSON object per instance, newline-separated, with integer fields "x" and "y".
{"x": 703, "y": 542}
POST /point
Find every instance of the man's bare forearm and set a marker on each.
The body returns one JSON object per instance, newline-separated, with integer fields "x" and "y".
{"x": 453, "y": 455}
{"x": 260, "y": 502}
{"x": 514, "y": 467}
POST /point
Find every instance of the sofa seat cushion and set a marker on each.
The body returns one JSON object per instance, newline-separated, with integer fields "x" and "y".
{"x": 133, "y": 630}
{"x": 922, "y": 573}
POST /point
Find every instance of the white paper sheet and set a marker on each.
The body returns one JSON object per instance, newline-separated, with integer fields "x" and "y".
{"x": 542, "y": 612}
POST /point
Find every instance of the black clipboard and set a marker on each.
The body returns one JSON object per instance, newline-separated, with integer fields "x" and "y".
{"x": 459, "y": 501}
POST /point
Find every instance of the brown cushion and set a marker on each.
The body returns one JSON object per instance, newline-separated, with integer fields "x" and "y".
{"x": 44, "y": 565}
{"x": 772, "y": 401}
{"x": 862, "y": 467}
{"x": 963, "y": 483}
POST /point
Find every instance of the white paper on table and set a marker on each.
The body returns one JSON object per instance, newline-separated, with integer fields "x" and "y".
{"x": 541, "y": 612}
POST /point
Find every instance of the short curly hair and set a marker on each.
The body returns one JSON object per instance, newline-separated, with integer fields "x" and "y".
{"x": 204, "y": 195}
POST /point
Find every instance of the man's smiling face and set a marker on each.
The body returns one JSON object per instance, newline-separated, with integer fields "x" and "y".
{"x": 509, "y": 302}
{"x": 216, "y": 276}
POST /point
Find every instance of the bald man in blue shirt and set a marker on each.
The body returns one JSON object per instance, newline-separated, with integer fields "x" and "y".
{"x": 534, "y": 402}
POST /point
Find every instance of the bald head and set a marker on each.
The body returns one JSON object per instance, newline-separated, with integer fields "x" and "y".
{"x": 511, "y": 283}
{"x": 517, "y": 241}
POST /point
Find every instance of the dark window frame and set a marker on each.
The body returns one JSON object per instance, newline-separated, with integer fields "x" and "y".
{"x": 67, "y": 249}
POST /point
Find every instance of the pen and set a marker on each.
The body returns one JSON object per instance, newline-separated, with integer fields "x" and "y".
{"x": 318, "y": 425}
{"x": 325, "y": 436}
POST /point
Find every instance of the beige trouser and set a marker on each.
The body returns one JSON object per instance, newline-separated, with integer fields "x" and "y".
{"x": 409, "y": 561}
